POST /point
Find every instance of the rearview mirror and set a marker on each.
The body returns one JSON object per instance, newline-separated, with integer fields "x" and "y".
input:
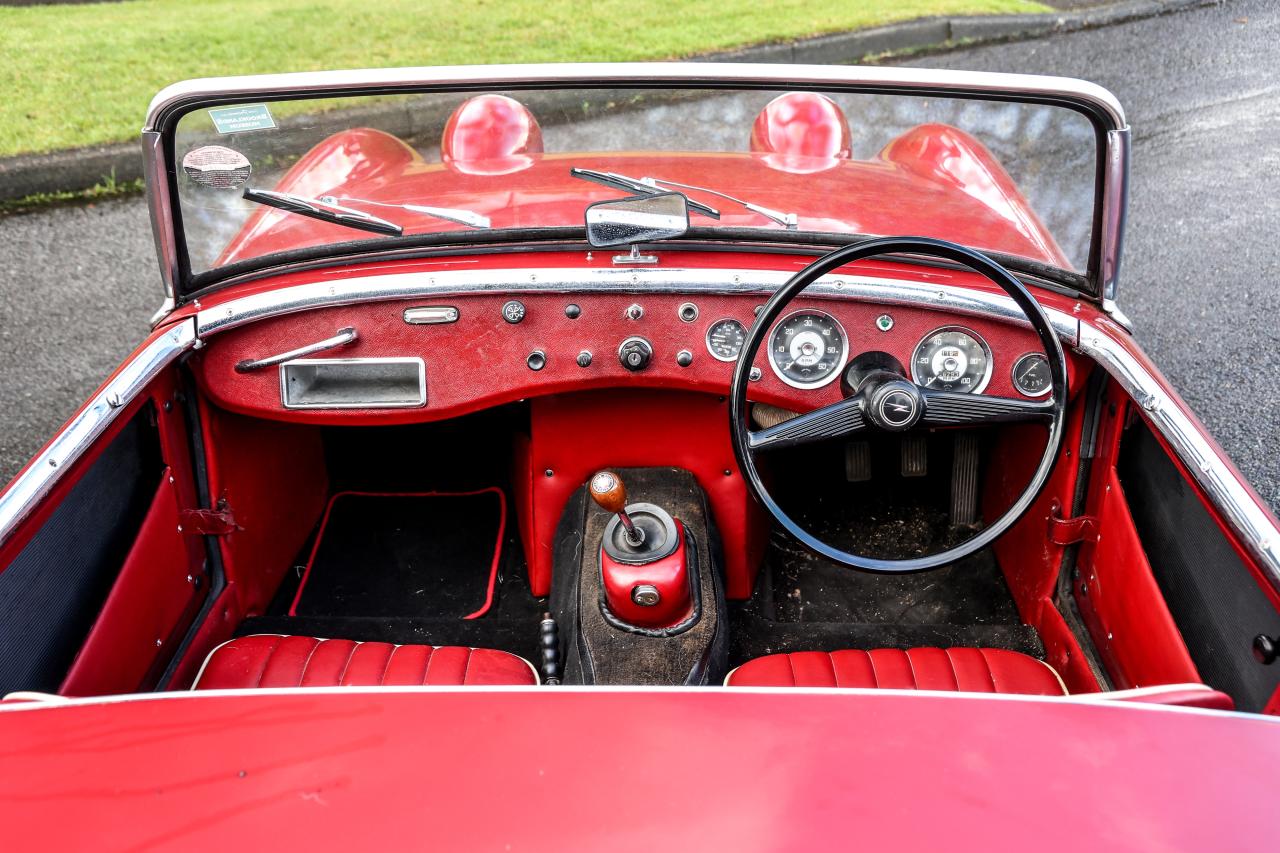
{"x": 638, "y": 219}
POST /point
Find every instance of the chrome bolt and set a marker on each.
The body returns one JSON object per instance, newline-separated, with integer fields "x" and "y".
{"x": 645, "y": 595}
{"x": 755, "y": 374}
{"x": 634, "y": 311}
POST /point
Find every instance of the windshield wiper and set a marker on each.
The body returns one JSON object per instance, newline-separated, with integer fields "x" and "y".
{"x": 325, "y": 209}
{"x": 632, "y": 185}
{"x": 649, "y": 186}
{"x": 452, "y": 214}
{"x": 788, "y": 220}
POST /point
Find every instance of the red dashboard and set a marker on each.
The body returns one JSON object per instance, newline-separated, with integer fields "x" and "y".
{"x": 481, "y": 359}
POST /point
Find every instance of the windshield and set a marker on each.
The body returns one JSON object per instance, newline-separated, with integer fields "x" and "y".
{"x": 257, "y": 179}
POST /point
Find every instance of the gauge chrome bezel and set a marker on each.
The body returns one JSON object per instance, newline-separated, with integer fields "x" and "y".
{"x": 986, "y": 348}
{"x": 1013, "y": 374}
{"x": 706, "y": 339}
{"x": 835, "y": 372}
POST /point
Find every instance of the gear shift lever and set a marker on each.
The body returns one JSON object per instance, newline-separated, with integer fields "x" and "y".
{"x": 644, "y": 560}
{"x": 608, "y": 491}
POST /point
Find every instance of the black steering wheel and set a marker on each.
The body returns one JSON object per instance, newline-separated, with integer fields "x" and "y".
{"x": 893, "y": 403}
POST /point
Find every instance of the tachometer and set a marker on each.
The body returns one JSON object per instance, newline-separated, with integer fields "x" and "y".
{"x": 807, "y": 349}
{"x": 724, "y": 339}
{"x": 952, "y": 359}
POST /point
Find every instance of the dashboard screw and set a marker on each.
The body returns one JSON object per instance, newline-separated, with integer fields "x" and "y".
{"x": 549, "y": 473}
{"x": 572, "y": 311}
{"x": 634, "y": 311}
{"x": 684, "y": 358}
{"x": 755, "y": 374}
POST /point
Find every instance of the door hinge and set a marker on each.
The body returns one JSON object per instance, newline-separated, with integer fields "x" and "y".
{"x": 1069, "y": 531}
{"x": 207, "y": 522}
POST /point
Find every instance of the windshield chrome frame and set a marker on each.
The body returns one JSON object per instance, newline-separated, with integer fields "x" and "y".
{"x": 1110, "y": 191}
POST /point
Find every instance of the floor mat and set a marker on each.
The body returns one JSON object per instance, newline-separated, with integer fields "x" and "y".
{"x": 414, "y": 555}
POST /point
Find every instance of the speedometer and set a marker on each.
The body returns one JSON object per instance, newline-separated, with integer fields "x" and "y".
{"x": 952, "y": 359}
{"x": 807, "y": 349}
{"x": 724, "y": 339}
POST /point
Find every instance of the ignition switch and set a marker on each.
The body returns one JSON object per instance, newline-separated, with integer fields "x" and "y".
{"x": 635, "y": 353}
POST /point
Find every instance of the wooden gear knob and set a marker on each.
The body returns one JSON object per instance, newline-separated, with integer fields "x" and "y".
{"x": 608, "y": 491}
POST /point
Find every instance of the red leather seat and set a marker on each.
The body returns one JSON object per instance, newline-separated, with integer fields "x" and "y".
{"x": 269, "y": 660}
{"x": 970, "y": 670}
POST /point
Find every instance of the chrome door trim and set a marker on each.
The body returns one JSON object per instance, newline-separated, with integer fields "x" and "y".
{"x": 1257, "y": 528}
{"x": 376, "y": 288}
{"x": 1113, "y": 192}
{"x": 30, "y": 487}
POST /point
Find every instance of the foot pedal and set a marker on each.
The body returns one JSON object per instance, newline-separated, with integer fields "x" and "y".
{"x": 915, "y": 455}
{"x": 857, "y": 461}
{"x": 964, "y": 481}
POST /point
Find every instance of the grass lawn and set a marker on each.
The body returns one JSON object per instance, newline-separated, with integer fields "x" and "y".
{"x": 82, "y": 75}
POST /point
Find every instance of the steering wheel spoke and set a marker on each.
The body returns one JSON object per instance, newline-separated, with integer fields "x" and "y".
{"x": 956, "y": 408}
{"x": 834, "y": 421}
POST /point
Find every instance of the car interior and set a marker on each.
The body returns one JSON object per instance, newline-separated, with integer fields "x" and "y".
{"x": 528, "y": 480}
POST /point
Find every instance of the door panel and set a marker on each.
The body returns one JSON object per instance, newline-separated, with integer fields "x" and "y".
{"x": 52, "y": 591}
{"x": 1214, "y": 597}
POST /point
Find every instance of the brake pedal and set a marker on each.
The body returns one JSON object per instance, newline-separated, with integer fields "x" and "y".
{"x": 857, "y": 461}
{"x": 915, "y": 455}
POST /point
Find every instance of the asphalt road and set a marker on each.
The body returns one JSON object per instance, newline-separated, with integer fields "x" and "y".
{"x": 1201, "y": 276}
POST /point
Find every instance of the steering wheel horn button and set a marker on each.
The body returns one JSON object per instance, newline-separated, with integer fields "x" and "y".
{"x": 896, "y": 406}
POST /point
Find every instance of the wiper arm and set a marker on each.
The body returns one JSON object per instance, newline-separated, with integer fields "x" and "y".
{"x": 452, "y": 214}
{"x": 788, "y": 220}
{"x": 325, "y": 209}
{"x": 633, "y": 185}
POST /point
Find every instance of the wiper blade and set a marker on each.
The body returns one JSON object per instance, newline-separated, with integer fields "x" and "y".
{"x": 634, "y": 185}
{"x": 325, "y": 211}
{"x": 787, "y": 220}
{"x": 452, "y": 214}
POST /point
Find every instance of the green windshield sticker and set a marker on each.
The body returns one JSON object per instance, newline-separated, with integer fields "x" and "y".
{"x": 241, "y": 119}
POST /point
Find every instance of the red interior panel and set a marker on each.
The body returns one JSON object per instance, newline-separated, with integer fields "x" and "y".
{"x": 1030, "y": 560}
{"x": 153, "y": 592}
{"x": 1116, "y": 590}
{"x": 273, "y": 480}
{"x": 574, "y": 435}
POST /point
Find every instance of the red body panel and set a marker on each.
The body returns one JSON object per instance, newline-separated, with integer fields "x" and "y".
{"x": 930, "y": 186}
{"x": 478, "y": 769}
{"x": 670, "y": 576}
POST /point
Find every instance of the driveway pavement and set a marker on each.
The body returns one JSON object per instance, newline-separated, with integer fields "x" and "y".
{"x": 1202, "y": 267}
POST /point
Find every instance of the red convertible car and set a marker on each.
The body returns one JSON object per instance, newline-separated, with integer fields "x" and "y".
{"x": 638, "y": 457}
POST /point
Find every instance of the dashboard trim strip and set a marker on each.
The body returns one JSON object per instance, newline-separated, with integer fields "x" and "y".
{"x": 322, "y": 294}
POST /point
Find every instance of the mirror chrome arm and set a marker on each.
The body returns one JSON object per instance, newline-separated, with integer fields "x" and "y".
{"x": 344, "y": 337}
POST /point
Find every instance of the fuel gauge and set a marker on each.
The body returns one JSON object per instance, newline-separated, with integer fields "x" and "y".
{"x": 1031, "y": 375}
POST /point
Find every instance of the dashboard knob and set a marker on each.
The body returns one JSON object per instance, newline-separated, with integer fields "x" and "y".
{"x": 584, "y": 358}
{"x": 635, "y": 353}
